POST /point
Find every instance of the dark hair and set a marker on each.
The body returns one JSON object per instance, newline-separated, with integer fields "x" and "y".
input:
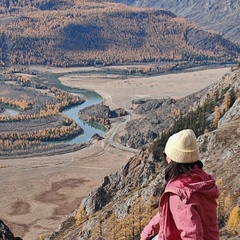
{"x": 174, "y": 170}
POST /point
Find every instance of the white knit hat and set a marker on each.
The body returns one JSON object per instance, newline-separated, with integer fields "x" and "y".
{"x": 182, "y": 147}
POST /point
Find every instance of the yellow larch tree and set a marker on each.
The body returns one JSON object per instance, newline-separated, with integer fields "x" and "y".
{"x": 217, "y": 116}
{"x": 81, "y": 216}
{"x": 233, "y": 225}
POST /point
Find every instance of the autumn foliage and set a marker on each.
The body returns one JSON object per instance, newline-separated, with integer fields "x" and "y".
{"x": 78, "y": 33}
{"x": 37, "y": 121}
{"x": 120, "y": 227}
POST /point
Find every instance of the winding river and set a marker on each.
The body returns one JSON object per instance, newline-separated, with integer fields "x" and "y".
{"x": 91, "y": 98}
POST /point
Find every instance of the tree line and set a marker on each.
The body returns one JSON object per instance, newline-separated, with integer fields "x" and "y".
{"x": 15, "y": 140}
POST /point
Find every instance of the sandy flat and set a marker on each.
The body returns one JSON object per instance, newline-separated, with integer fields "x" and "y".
{"x": 116, "y": 92}
{"x": 38, "y": 193}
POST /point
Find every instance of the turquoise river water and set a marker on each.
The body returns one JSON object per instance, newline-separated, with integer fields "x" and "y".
{"x": 91, "y": 98}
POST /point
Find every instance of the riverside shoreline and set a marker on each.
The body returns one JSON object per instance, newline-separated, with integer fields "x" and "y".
{"x": 38, "y": 193}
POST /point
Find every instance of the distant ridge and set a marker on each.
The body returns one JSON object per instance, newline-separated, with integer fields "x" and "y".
{"x": 218, "y": 16}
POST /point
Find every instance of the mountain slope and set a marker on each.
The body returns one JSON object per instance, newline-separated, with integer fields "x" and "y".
{"x": 219, "y": 16}
{"x": 128, "y": 198}
{"x": 75, "y": 33}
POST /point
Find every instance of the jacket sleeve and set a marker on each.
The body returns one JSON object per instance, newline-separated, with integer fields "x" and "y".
{"x": 186, "y": 218}
{"x": 152, "y": 228}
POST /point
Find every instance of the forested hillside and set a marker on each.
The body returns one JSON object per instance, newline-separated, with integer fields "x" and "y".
{"x": 76, "y": 33}
{"x": 219, "y": 16}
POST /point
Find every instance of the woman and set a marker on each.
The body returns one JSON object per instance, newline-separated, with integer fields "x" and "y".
{"x": 188, "y": 208}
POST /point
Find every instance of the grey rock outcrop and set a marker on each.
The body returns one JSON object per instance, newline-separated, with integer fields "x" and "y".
{"x": 227, "y": 144}
{"x": 141, "y": 168}
{"x": 231, "y": 115}
{"x": 5, "y": 232}
{"x": 101, "y": 113}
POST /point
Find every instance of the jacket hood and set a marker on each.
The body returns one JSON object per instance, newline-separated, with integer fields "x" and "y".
{"x": 195, "y": 181}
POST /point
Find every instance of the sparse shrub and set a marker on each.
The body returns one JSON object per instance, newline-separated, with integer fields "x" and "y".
{"x": 41, "y": 237}
{"x": 80, "y": 216}
{"x": 233, "y": 225}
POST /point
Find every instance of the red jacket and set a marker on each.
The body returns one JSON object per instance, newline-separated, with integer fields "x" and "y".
{"x": 187, "y": 210}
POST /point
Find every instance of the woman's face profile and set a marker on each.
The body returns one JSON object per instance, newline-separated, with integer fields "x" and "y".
{"x": 168, "y": 160}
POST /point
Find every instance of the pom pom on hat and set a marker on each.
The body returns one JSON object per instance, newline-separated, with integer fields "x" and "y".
{"x": 182, "y": 147}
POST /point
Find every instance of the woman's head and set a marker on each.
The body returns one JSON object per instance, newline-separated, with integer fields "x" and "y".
{"x": 182, "y": 147}
{"x": 182, "y": 154}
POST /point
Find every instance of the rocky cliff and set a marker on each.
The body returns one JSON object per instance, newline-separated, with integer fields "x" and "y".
{"x": 155, "y": 116}
{"x": 5, "y": 232}
{"x": 107, "y": 212}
